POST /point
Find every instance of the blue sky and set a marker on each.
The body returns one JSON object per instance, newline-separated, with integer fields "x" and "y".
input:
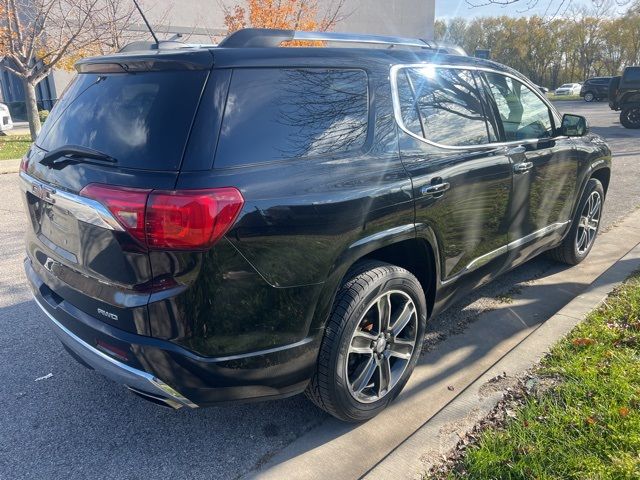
{"x": 460, "y": 8}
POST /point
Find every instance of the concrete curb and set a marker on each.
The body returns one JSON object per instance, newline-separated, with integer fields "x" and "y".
{"x": 9, "y": 166}
{"x": 383, "y": 447}
{"x": 422, "y": 450}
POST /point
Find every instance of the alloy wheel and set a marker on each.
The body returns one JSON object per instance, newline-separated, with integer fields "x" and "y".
{"x": 381, "y": 346}
{"x": 589, "y": 222}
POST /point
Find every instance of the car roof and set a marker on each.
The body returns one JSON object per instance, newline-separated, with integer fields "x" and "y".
{"x": 191, "y": 57}
{"x": 220, "y": 57}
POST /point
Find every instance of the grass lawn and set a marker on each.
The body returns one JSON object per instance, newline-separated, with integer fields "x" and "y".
{"x": 560, "y": 98}
{"x": 588, "y": 425}
{"x": 14, "y": 146}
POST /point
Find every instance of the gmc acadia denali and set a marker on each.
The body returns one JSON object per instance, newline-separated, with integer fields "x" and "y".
{"x": 245, "y": 221}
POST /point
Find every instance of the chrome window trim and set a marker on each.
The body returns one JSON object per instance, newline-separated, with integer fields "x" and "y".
{"x": 397, "y": 112}
{"x": 487, "y": 257}
{"x": 82, "y": 208}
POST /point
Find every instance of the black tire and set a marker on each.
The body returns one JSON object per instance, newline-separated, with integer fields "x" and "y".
{"x": 568, "y": 252}
{"x": 589, "y": 97}
{"x": 330, "y": 387}
{"x": 630, "y": 116}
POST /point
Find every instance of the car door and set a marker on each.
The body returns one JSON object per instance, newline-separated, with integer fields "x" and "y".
{"x": 545, "y": 165}
{"x": 461, "y": 183}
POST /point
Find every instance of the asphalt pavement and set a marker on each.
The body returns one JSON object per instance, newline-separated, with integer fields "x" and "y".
{"x": 60, "y": 420}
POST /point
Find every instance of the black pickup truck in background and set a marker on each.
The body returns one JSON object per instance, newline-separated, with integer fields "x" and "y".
{"x": 624, "y": 96}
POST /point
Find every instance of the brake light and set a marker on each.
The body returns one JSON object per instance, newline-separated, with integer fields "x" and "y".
{"x": 190, "y": 219}
{"x": 126, "y": 204}
{"x": 24, "y": 163}
{"x": 171, "y": 220}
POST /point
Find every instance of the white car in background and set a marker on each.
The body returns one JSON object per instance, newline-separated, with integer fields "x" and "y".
{"x": 569, "y": 89}
{"x": 5, "y": 118}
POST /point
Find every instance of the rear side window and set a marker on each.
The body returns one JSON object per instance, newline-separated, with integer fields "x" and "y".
{"x": 141, "y": 119}
{"x": 275, "y": 114}
{"x": 443, "y": 106}
{"x": 632, "y": 74}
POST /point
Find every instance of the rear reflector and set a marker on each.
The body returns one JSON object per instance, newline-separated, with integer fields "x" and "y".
{"x": 112, "y": 350}
{"x": 171, "y": 220}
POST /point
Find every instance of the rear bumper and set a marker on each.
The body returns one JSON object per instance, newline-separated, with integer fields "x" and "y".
{"x": 167, "y": 373}
{"x": 134, "y": 379}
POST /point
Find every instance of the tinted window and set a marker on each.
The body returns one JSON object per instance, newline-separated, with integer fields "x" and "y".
{"x": 141, "y": 119}
{"x": 632, "y": 74}
{"x": 449, "y": 103}
{"x": 523, "y": 114}
{"x": 408, "y": 106}
{"x": 274, "y": 114}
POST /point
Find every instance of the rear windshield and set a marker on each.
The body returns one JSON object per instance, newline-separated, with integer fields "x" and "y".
{"x": 140, "y": 119}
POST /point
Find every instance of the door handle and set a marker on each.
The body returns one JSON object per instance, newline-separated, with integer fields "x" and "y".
{"x": 522, "y": 167}
{"x": 435, "y": 189}
{"x": 516, "y": 150}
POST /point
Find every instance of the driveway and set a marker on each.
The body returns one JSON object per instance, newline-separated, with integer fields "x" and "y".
{"x": 60, "y": 420}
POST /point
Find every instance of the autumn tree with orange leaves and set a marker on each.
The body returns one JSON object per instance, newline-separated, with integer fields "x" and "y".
{"x": 283, "y": 14}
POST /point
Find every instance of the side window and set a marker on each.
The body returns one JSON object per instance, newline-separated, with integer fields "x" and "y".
{"x": 408, "y": 107}
{"x": 632, "y": 74}
{"x": 443, "y": 106}
{"x": 274, "y": 114}
{"x": 524, "y": 115}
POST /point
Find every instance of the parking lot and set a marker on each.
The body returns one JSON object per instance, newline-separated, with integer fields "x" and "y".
{"x": 60, "y": 420}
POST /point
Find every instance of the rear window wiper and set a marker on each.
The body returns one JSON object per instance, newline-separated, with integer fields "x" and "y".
{"x": 75, "y": 153}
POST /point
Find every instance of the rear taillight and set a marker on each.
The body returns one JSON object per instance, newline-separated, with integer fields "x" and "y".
{"x": 126, "y": 204}
{"x": 171, "y": 220}
{"x": 24, "y": 163}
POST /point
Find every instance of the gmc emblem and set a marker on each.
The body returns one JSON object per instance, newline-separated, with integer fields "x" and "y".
{"x": 43, "y": 192}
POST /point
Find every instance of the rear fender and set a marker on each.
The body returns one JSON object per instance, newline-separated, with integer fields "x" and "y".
{"x": 354, "y": 252}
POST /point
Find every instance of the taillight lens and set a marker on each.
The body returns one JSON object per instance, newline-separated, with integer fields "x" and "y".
{"x": 190, "y": 219}
{"x": 126, "y": 204}
{"x": 171, "y": 220}
{"x": 24, "y": 163}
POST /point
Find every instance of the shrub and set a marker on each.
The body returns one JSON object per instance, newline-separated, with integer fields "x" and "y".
{"x": 43, "y": 114}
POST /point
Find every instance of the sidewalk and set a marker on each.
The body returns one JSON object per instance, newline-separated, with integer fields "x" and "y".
{"x": 9, "y": 166}
{"x": 440, "y": 434}
{"x": 442, "y": 398}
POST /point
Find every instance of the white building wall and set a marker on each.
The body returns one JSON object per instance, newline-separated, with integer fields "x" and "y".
{"x": 407, "y": 18}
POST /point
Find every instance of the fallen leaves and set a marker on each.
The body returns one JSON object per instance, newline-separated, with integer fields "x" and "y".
{"x": 582, "y": 342}
{"x": 623, "y": 411}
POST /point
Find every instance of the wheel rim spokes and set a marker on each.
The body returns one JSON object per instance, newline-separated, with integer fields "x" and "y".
{"x": 382, "y": 346}
{"x": 589, "y": 223}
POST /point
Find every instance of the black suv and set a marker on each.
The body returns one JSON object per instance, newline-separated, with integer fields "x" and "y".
{"x": 250, "y": 222}
{"x": 595, "y": 89}
{"x": 624, "y": 95}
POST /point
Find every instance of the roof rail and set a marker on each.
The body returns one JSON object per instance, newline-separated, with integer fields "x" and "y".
{"x": 267, "y": 37}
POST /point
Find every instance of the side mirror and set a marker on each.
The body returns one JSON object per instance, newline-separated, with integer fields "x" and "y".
{"x": 574, "y": 125}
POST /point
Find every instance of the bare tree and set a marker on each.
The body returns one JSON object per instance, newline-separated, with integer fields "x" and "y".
{"x": 553, "y": 7}
{"x": 38, "y": 35}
